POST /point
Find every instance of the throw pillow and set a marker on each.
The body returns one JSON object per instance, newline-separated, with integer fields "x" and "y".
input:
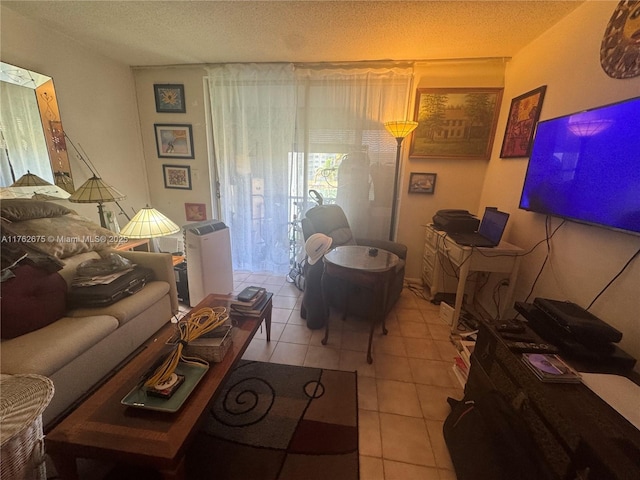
{"x": 31, "y": 300}
{"x": 65, "y": 236}
{"x": 19, "y": 209}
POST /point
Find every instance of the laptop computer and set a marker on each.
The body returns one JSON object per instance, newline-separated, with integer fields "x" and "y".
{"x": 489, "y": 233}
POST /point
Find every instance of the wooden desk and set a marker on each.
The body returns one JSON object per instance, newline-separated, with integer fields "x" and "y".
{"x": 354, "y": 264}
{"x": 101, "y": 427}
{"x": 141, "y": 244}
{"x": 439, "y": 249}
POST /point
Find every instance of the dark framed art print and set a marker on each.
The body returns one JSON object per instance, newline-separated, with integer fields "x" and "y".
{"x": 521, "y": 123}
{"x": 174, "y": 141}
{"x": 169, "y": 98}
{"x": 422, "y": 182}
{"x": 177, "y": 176}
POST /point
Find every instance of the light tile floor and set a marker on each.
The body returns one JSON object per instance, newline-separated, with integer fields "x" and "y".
{"x": 401, "y": 396}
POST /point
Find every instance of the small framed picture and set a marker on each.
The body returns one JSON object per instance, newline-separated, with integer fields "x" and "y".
{"x": 195, "y": 212}
{"x": 177, "y": 176}
{"x": 169, "y": 98}
{"x": 174, "y": 141}
{"x": 422, "y": 182}
{"x": 523, "y": 117}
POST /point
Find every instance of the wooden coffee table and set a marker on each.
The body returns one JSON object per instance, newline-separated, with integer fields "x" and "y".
{"x": 102, "y": 428}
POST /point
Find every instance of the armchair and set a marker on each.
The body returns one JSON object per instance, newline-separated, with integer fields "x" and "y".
{"x": 332, "y": 221}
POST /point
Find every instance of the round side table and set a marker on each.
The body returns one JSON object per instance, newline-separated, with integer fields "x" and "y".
{"x": 367, "y": 267}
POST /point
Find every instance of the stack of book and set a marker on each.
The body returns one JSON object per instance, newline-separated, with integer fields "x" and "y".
{"x": 251, "y": 307}
{"x": 550, "y": 368}
{"x": 462, "y": 362}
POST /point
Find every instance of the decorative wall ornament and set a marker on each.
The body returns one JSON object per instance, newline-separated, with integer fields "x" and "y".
{"x": 620, "y": 48}
{"x": 523, "y": 116}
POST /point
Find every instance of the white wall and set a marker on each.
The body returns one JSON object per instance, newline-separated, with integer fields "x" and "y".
{"x": 458, "y": 181}
{"x": 583, "y": 258}
{"x": 169, "y": 201}
{"x": 97, "y": 105}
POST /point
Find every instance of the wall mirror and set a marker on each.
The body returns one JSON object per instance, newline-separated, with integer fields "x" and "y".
{"x": 31, "y": 136}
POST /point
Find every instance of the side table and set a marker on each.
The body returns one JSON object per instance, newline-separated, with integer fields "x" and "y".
{"x": 23, "y": 398}
{"x": 365, "y": 267}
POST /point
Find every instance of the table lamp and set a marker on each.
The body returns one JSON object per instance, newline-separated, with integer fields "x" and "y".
{"x": 95, "y": 190}
{"x": 149, "y": 223}
{"x": 399, "y": 129}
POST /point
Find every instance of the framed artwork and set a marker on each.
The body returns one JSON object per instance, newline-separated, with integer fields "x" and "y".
{"x": 195, "y": 212}
{"x": 422, "y": 182}
{"x": 177, "y": 176}
{"x": 169, "y": 98}
{"x": 455, "y": 122}
{"x": 523, "y": 117}
{"x": 174, "y": 141}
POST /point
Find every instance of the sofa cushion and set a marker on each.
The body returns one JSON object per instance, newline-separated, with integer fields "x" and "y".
{"x": 128, "y": 307}
{"x": 48, "y": 349}
{"x": 32, "y": 299}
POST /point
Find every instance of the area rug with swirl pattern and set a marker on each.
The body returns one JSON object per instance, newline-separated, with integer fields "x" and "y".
{"x": 279, "y": 422}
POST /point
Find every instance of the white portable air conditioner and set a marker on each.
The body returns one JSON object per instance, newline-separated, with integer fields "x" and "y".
{"x": 208, "y": 253}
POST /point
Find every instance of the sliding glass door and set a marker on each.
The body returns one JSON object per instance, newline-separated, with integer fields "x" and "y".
{"x": 279, "y": 131}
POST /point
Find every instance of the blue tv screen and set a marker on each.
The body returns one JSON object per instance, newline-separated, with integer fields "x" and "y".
{"x": 586, "y": 167}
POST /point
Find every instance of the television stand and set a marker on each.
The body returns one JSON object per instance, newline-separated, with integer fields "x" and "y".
{"x": 577, "y": 433}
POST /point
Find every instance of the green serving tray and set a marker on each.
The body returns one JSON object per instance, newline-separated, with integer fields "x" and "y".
{"x": 139, "y": 398}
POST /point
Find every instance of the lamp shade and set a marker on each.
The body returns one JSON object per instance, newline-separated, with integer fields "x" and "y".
{"x": 95, "y": 190}
{"x": 30, "y": 180}
{"x": 45, "y": 192}
{"x": 400, "y": 128}
{"x": 149, "y": 223}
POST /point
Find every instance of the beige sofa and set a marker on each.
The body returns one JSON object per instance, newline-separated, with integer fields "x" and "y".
{"x": 82, "y": 347}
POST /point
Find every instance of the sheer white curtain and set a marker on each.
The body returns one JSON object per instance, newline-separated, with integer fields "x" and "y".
{"x": 342, "y": 111}
{"x": 280, "y": 130}
{"x": 253, "y": 108}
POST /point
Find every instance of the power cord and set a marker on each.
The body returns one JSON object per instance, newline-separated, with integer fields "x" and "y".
{"x": 199, "y": 323}
{"x": 614, "y": 278}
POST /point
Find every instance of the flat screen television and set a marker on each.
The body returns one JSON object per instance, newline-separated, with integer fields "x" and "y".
{"x": 586, "y": 167}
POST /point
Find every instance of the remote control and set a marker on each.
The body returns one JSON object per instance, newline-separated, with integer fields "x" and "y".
{"x": 532, "y": 347}
{"x": 510, "y": 327}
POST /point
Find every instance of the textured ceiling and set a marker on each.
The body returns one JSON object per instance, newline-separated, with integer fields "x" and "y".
{"x": 142, "y": 33}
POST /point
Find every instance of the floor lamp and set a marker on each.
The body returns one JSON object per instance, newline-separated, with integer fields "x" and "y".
{"x": 399, "y": 129}
{"x": 95, "y": 190}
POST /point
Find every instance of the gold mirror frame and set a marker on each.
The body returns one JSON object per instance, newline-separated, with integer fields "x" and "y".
{"x": 51, "y": 123}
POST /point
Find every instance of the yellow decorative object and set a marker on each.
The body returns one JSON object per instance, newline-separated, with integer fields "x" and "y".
{"x": 199, "y": 323}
